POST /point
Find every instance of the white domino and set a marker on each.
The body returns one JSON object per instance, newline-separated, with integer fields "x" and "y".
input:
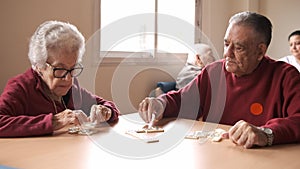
{"x": 143, "y": 137}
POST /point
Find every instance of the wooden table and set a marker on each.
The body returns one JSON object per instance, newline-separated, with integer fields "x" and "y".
{"x": 112, "y": 148}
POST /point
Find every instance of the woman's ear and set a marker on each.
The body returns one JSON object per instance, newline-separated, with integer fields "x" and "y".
{"x": 38, "y": 70}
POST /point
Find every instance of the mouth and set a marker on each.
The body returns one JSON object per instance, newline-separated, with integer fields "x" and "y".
{"x": 230, "y": 61}
{"x": 64, "y": 86}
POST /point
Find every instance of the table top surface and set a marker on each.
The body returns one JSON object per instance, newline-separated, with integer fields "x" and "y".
{"x": 112, "y": 147}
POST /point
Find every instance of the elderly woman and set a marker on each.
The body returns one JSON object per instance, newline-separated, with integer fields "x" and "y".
{"x": 41, "y": 100}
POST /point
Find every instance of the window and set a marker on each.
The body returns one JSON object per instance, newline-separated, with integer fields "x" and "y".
{"x": 149, "y": 25}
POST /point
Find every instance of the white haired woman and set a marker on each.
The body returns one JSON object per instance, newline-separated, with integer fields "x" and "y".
{"x": 41, "y": 100}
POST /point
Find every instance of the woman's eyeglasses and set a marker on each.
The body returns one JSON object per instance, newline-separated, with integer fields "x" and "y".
{"x": 62, "y": 72}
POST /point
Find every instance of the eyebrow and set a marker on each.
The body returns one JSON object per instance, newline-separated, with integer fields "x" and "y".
{"x": 239, "y": 44}
{"x": 61, "y": 65}
{"x": 235, "y": 43}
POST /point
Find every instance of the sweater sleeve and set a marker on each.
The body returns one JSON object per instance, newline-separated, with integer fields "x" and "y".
{"x": 185, "y": 103}
{"x": 16, "y": 120}
{"x": 193, "y": 101}
{"x": 286, "y": 127}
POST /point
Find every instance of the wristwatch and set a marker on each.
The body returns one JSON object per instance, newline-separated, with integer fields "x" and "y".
{"x": 269, "y": 134}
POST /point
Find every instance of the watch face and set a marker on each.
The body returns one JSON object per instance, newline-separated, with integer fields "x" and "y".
{"x": 268, "y": 131}
{"x": 270, "y": 136}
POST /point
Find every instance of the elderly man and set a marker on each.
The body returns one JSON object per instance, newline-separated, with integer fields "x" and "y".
{"x": 255, "y": 94}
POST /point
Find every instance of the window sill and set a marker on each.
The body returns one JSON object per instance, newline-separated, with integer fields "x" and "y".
{"x": 141, "y": 58}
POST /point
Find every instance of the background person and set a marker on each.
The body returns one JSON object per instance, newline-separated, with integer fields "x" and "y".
{"x": 203, "y": 57}
{"x": 255, "y": 94}
{"x": 294, "y": 43}
{"x": 191, "y": 69}
{"x": 41, "y": 100}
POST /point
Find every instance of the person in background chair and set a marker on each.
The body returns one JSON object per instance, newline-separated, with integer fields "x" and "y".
{"x": 40, "y": 101}
{"x": 194, "y": 65}
{"x": 294, "y": 43}
{"x": 203, "y": 57}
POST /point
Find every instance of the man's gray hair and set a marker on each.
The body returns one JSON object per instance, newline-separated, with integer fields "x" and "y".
{"x": 261, "y": 24}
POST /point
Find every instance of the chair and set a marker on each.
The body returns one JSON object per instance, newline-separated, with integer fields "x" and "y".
{"x": 166, "y": 86}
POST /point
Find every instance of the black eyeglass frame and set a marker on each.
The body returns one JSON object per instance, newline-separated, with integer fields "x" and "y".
{"x": 54, "y": 69}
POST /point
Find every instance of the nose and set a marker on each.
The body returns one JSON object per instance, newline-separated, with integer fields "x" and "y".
{"x": 293, "y": 46}
{"x": 68, "y": 76}
{"x": 228, "y": 51}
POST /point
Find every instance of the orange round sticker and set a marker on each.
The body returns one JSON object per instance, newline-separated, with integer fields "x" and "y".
{"x": 256, "y": 108}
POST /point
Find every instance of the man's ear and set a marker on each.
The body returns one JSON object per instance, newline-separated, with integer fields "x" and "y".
{"x": 262, "y": 49}
{"x": 198, "y": 59}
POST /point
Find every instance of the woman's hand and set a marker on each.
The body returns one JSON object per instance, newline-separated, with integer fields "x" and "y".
{"x": 63, "y": 119}
{"x": 99, "y": 114}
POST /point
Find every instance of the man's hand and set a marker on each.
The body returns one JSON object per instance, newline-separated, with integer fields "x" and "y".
{"x": 151, "y": 106}
{"x": 246, "y": 135}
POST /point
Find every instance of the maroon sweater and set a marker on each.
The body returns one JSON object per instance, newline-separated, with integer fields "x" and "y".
{"x": 268, "y": 97}
{"x": 26, "y": 111}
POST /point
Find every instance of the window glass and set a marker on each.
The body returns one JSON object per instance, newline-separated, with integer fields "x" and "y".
{"x": 135, "y": 38}
{"x": 185, "y": 12}
{"x": 144, "y": 35}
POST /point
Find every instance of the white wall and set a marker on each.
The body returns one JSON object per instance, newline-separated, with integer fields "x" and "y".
{"x": 285, "y": 16}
